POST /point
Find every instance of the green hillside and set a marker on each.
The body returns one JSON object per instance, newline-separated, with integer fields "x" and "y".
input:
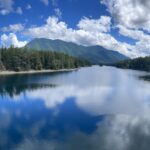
{"x": 94, "y": 54}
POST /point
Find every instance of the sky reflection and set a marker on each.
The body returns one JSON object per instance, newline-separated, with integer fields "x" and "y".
{"x": 93, "y": 108}
{"x": 98, "y": 91}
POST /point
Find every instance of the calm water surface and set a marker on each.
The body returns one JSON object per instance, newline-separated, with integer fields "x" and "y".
{"x": 95, "y": 108}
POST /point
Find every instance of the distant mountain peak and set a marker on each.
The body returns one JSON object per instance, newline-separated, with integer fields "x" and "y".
{"x": 95, "y": 54}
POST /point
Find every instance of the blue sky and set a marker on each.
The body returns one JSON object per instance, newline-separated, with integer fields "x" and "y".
{"x": 118, "y": 25}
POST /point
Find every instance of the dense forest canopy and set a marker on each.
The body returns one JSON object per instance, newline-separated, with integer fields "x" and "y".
{"x": 142, "y": 64}
{"x": 21, "y": 59}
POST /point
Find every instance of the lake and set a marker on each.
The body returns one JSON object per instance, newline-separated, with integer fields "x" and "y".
{"x": 94, "y": 108}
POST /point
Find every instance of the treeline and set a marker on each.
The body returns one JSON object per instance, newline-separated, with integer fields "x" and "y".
{"x": 21, "y": 59}
{"x": 142, "y": 64}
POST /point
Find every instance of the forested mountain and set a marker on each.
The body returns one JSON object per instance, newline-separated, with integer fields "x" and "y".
{"x": 142, "y": 64}
{"x": 94, "y": 54}
{"x": 21, "y": 59}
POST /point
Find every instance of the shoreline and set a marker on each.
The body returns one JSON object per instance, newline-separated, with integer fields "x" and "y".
{"x": 36, "y": 71}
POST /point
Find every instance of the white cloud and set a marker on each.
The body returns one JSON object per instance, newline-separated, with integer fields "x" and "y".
{"x": 89, "y": 32}
{"x": 46, "y": 2}
{"x": 102, "y": 24}
{"x": 19, "y": 11}
{"x": 142, "y": 45}
{"x": 13, "y": 28}
{"x": 11, "y": 39}
{"x": 133, "y": 21}
{"x": 6, "y": 6}
{"x": 132, "y": 33}
{"x": 130, "y": 13}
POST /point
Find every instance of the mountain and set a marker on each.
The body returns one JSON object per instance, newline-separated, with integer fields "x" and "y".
{"x": 93, "y": 54}
{"x": 142, "y": 64}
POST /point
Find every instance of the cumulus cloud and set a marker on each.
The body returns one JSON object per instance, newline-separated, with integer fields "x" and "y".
{"x": 6, "y": 6}
{"x": 11, "y": 39}
{"x": 13, "y": 28}
{"x": 130, "y": 13}
{"x": 92, "y": 25}
{"x": 142, "y": 44}
{"x": 133, "y": 21}
{"x": 128, "y": 16}
{"x": 89, "y": 32}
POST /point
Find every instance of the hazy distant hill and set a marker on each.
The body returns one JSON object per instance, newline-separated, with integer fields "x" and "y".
{"x": 94, "y": 54}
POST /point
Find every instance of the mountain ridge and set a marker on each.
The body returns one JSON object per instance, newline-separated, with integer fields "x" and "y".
{"x": 95, "y": 54}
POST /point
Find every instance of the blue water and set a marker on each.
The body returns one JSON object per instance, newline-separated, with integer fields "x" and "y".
{"x": 94, "y": 108}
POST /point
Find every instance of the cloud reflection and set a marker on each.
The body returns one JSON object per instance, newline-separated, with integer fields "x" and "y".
{"x": 93, "y": 108}
{"x": 101, "y": 91}
{"x": 119, "y": 132}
